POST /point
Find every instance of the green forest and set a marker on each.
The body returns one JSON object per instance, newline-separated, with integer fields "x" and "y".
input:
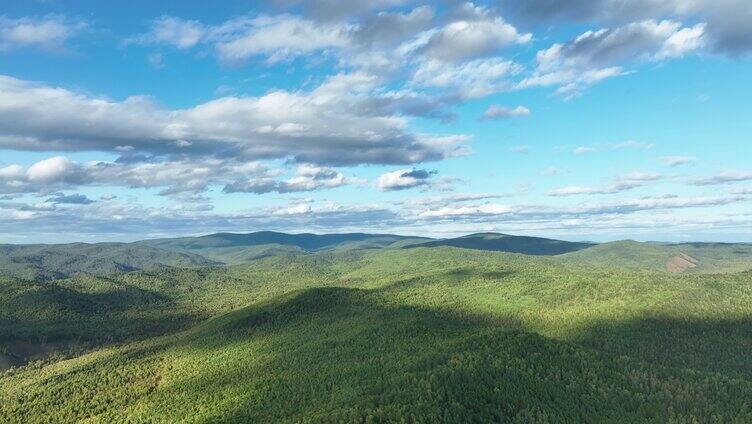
{"x": 385, "y": 332}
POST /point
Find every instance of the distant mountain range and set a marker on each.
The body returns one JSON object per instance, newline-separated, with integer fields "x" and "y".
{"x": 233, "y": 248}
{"x": 48, "y": 262}
{"x": 508, "y": 243}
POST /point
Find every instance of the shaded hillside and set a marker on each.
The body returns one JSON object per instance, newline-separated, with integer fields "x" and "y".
{"x": 240, "y": 248}
{"x": 507, "y": 243}
{"x": 660, "y": 257}
{"x": 48, "y": 262}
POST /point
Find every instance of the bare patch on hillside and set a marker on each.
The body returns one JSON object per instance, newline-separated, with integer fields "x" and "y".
{"x": 681, "y": 263}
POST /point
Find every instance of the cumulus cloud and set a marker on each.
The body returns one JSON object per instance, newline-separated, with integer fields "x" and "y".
{"x": 391, "y": 28}
{"x": 478, "y": 34}
{"x": 49, "y": 32}
{"x": 321, "y": 126}
{"x": 174, "y": 178}
{"x": 56, "y": 169}
{"x": 460, "y": 54}
{"x": 404, "y": 179}
{"x": 727, "y": 29}
{"x": 307, "y": 178}
{"x": 502, "y": 112}
{"x": 647, "y": 40}
{"x": 597, "y": 55}
{"x": 45, "y": 175}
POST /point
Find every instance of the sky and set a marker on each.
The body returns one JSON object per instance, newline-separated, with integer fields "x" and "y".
{"x": 581, "y": 120}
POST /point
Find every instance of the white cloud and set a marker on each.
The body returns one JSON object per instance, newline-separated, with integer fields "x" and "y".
{"x": 404, "y": 179}
{"x": 576, "y": 190}
{"x": 390, "y": 28}
{"x": 173, "y": 31}
{"x": 43, "y": 176}
{"x": 558, "y": 215}
{"x": 50, "y": 32}
{"x": 323, "y": 126}
{"x": 172, "y": 177}
{"x": 581, "y": 150}
{"x": 451, "y": 214}
{"x": 478, "y": 35}
{"x": 52, "y": 169}
{"x": 12, "y": 172}
{"x": 620, "y": 184}
{"x": 277, "y": 37}
{"x": 502, "y": 112}
{"x": 629, "y": 144}
{"x": 597, "y": 55}
{"x": 727, "y": 30}
{"x": 724, "y": 178}
{"x": 473, "y": 79}
{"x": 307, "y": 178}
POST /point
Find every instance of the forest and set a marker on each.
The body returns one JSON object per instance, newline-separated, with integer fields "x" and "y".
{"x": 431, "y": 333}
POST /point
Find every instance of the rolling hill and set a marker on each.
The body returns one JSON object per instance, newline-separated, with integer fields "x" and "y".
{"x": 507, "y": 243}
{"x": 234, "y": 248}
{"x": 423, "y": 335}
{"x": 663, "y": 257}
{"x": 44, "y": 262}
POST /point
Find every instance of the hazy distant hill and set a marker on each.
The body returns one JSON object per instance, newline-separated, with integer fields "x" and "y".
{"x": 674, "y": 258}
{"x": 43, "y": 262}
{"x": 239, "y": 248}
{"x": 508, "y": 243}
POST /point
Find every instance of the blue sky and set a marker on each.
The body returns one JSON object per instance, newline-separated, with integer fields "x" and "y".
{"x": 586, "y": 120}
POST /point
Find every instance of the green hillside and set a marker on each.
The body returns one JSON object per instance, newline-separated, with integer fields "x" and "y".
{"x": 240, "y": 248}
{"x": 45, "y": 262}
{"x": 507, "y": 243}
{"x": 673, "y": 258}
{"x": 425, "y": 334}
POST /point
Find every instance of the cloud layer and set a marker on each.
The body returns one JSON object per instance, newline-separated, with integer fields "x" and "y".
{"x": 326, "y": 126}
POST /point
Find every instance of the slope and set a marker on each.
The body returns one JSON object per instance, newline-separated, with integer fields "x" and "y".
{"x": 704, "y": 258}
{"x": 508, "y": 243}
{"x": 48, "y": 262}
{"x": 425, "y": 334}
{"x": 240, "y": 248}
